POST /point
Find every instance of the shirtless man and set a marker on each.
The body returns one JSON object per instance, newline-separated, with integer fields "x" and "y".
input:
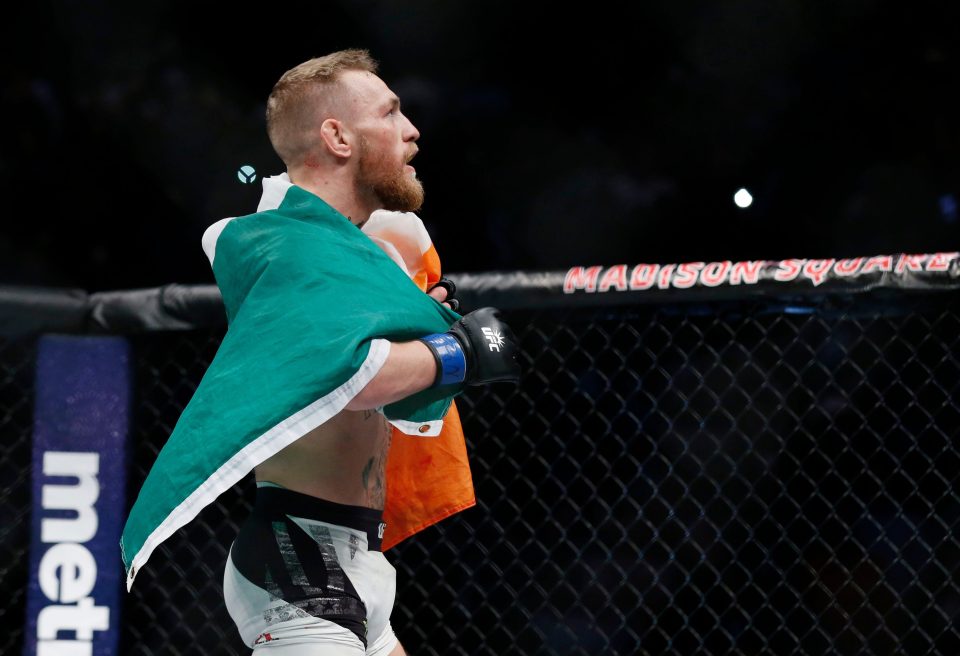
{"x": 305, "y": 575}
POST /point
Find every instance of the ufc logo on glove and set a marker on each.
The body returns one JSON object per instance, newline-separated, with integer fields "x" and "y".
{"x": 494, "y": 337}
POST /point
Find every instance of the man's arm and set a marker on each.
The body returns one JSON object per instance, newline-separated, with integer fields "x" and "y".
{"x": 410, "y": 368}
{"x": 478, "y": 349}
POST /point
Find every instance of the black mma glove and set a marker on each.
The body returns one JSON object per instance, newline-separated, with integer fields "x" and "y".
{"x": 477, "y": 350}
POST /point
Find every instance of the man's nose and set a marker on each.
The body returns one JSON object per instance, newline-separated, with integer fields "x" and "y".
{"x": 411, "y": 133}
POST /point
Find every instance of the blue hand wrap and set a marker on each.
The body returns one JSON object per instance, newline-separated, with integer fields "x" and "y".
{"x": 452, "y": 361}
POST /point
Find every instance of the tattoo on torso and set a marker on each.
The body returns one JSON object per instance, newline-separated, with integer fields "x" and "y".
{"x": 374, "y": 472}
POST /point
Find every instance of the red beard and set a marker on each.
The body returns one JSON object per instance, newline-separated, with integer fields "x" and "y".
{"x": 396, "y": 189}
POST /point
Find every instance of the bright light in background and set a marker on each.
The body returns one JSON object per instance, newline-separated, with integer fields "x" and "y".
{"x": 743, "y": 198}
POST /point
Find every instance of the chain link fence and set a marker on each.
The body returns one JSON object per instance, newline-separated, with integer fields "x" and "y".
{"x": 746, "y": 477}
{"x": 16, "y": 421}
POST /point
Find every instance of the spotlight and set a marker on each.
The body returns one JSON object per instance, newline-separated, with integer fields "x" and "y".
{"x": 743, "y": 198}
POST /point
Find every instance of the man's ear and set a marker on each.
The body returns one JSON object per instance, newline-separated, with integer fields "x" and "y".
{"x": 334, "y": 138}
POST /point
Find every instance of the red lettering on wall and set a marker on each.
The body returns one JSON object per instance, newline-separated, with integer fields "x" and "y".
{"x": 880, "y": 263}
{"x": 910, "y": 262}
{"x": 665, "y": 273}
{"x": 748, "y": 272}
{"x": 788, "y": 270}
{"x": 687, "y": 275}
{"x": 644, "y": 276}
{"x": 580, "y": 278}
{"x": 847, "y": 267}
{"x": 616, "y": 276}
{"x": 715, "y": 273}
{"x": 941, "y": 261}
{"x": 817, "y": 270}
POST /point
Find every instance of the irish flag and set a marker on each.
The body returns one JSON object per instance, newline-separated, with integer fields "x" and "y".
{"x": 312, "y": 305}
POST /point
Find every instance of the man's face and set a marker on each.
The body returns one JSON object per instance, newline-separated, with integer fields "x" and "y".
{"x": 387, "y": 142}
{"x": 393, "y": 182}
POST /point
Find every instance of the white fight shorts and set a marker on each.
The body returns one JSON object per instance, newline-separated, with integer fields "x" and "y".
{"x": 305, "y": 577}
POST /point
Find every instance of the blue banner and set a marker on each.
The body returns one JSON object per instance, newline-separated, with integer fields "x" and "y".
{"x": 81, "y": 419}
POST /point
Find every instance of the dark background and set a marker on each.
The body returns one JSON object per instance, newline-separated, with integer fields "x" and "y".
{"x": 592, "y": 135}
